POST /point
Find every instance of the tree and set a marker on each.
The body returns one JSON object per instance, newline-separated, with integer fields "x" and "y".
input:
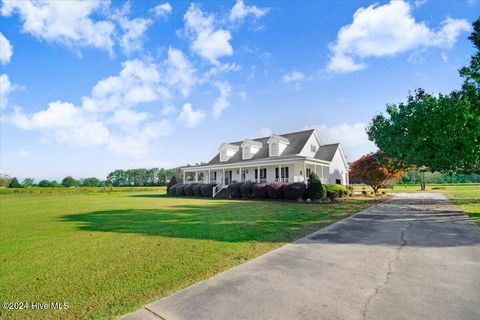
{"x": 28, "y": 182}
{"x": 44, "y": 184}
{"x": 69, "y": 182}
{"x": 435, "y": 133}
{"x": 172, "y": 182}
{"x": 54, "y": 184}
{"x": 4, "y": 180}
{"x": 374, "y": 170}
{"x": 315, "y": 190}
{"x": 91, "y": 182}
{"x": 14, "y": 183}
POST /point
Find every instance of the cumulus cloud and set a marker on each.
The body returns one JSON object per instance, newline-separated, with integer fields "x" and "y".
{"x": 190, "y": 116}
{"x": 352, "y": 137}
{"x": 293, "y": 76}
{"x": 240, "y": 11}
{"x": 6, "y": 50}
{"x": 6, "y": 88}
{"x": 222, "y": 101}
{"x": 208, "y": 41}
{"x": 387, "y": 30}
{"x": 162, "y": 10}
{"x": 66, "y": 22}
{"x": 179, "y": 72}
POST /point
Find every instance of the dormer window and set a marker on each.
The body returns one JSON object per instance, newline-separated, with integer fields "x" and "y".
{"x": 276, "y": 145}
{"x": 250, "y": 148}
{"x": 227, "y": 151}
{"x": 313, "y": 148}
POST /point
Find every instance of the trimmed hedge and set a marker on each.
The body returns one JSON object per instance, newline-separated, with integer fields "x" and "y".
{"x": 294, "y": 191}
{"x": 171, "y": 183}
{"x": 172, "y": 191}
{"x": 234, "y": 190}
{"x": 324, "y": 191}
{"x": 340, "y": 190}
{"x": 189, "y": 189}
{"x": 180, "y": 190}
{"x": 260, "y": 191}
{"x": 207, "y": 189}
{"x": 197, "y": 190}
{"x": 246, "y": 190}
{"x": 275, "y": 190}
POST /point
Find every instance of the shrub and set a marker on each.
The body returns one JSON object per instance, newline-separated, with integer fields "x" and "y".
{"x": 180, "y": 190}
{"x": 189, "y": 189}
{"x": 197, "y": 190}
{"x": 260, "y": 191}
{"x": 294, "y": 191}
{"x": 14, "y": 183}
{"x": 339, "y": 189}
{"x": 275, "y": 190}
{"x": 171, "y": 183}
{"x": 324, "y": 191}
{"x": 207, "y": 189}
{"x": 246, "y": 190}
{"x": 364, "y": 192}
{"x": 315, "y": 190}
{"x": 332, "y": 195}
{"x": 173, "y": 190}
{"x": 234, "y": 190}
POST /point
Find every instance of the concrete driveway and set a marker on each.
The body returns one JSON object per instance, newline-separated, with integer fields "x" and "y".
{"x": 414, "y": 257}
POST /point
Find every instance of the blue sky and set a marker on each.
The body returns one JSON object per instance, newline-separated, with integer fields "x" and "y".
{"x": 88, "y": 87}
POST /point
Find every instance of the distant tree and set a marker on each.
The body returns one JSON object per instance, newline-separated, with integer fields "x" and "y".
{"x": 44, "y": 184}
{"x": 374, "y": 170}
{"x": 54, "y": 184}
{"x": 69, "y": 182}
{"x": 91, "y": 182}
{"x": 14, "y": 183}
{"x": 314, "y": 190}
{"x": 28, "y": 182}
{"x": 4, "y": 180}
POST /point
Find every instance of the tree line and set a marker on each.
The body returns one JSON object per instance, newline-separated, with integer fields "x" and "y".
{"x": 118, "y": 178}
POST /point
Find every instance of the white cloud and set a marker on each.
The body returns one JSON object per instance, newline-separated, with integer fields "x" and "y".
{"x": 352, "y": 137}
{"x": 162, "y": 10}
{"x": 265, "y": 132}
{"x": 293, "y": 76}
{"x": 222, "y": 101}
{"x": 179, "y": 72}
{"x": 6, "y": 88}
{"x": 66, "y": 22}
{"x": 168, "y": 109}
{"x": 240, "y": 11}
{"x": 190, "y": 116}
{"x": 444, "y": 56}
{"x": 6, "y": 50}
{"x": 387, "y": 30}
{"x": 207, "y": 42}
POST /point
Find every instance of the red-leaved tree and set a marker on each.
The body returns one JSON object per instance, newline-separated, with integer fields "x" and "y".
{"x": 374, "y": 170}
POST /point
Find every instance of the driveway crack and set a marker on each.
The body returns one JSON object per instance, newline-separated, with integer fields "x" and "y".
{"x": 391, "y": 262}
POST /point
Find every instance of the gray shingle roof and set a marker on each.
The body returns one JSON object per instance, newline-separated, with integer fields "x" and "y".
{"x": 297, "y": 142}
{"x": 326, "y": 152}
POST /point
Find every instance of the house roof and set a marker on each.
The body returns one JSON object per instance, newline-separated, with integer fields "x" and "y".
{"x": 326, "y": 152}
{"x": 297, "y": 142}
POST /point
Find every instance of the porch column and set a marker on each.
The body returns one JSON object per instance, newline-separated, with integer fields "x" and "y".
{"x": 258, "y": 173}
{"x": 240, "y": 174}
{"x": 196, "y": 176}
{"x": 208, "y": 181}
{"x": 223, "y": 176}
{"x": 183, "y": 176}
{"x": 304, "y": 172}
{"x": 279, "y": 172}
{"x": 322, "y": 175}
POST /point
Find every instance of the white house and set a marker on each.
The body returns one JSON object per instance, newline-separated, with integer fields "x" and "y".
{"x": 287, "y": 157}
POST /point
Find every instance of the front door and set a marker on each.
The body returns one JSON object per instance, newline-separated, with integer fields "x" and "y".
{"x": 228, "y": 177}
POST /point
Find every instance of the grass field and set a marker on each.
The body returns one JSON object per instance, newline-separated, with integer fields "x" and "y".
{"x": 107, "y": 254}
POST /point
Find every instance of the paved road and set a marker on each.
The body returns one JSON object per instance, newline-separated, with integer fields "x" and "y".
{"x": 414, "y": 257}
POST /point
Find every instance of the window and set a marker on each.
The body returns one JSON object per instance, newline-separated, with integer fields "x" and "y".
{"x": 276, "y": 173}
{"x": 285, "y": 172}
{"x": 263, "y": 173}
{"x": 308, "y": 172}
{"x": 274, "y": 150}
{"x": 338, "y": 181}
{"x": 223, "y": 155}
{"x": 313, "y": 148}
{"x": 246, "y": 152}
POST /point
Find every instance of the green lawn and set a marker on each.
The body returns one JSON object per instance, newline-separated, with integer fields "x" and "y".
{"x": 108, "y": 254}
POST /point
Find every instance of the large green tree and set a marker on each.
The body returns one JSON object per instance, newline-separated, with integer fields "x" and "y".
{"x": 436, "y": 133}
{"x": 69, "y": 182}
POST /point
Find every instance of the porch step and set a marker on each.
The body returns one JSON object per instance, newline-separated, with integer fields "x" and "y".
{"x": 223, "y": 194}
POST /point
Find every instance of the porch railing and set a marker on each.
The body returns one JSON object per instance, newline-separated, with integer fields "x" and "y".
{"x": 217, "y": 188}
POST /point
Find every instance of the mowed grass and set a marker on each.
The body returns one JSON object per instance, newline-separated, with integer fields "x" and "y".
{"x": 108, "y": 254}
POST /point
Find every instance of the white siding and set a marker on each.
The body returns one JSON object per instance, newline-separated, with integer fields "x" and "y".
{"x": 337, "y": 169}
{"x": 306, "y": 151}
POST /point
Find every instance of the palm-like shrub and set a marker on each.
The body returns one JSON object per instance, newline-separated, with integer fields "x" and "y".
{"x": 294, "y": 191}
{"x": 180, "y": 190}
{"x": 197, "y": 190}
{"x": 315, "y": 190}
{"x": 234, "y": 190}
{"x": 260, "y": 191}
{"x": 275, "y": 190}
{"x": 189, "y": 189}
{"x": 171, "y": 183}
{"x": 246, "y": 190}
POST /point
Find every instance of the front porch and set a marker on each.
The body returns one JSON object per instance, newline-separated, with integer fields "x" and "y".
{"x": 284, "y": 172}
